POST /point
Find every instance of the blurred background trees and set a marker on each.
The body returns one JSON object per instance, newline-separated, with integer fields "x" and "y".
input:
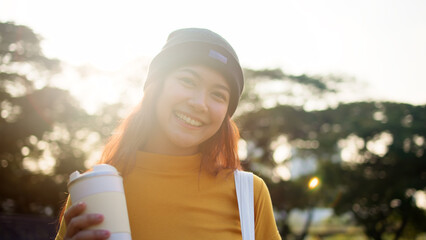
{"x": 368, "y": 157}
{"x": 45, "y": 134}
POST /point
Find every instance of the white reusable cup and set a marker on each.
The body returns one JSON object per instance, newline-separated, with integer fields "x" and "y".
{"x": 102, "y": 191}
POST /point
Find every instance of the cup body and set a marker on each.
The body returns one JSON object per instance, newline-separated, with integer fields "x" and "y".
{"x": 102, "y": 191}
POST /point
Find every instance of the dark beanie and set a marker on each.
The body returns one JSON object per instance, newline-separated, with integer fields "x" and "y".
{"x": 199, "y": 46}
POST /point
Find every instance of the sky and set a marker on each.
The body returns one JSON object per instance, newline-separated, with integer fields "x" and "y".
{"x": 378, "y": 42}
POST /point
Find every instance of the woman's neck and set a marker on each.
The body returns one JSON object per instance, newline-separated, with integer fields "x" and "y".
{"x": 168, "y": 149}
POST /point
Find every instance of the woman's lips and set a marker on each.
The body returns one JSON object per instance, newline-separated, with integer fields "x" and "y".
{"x": 188, "y": 120}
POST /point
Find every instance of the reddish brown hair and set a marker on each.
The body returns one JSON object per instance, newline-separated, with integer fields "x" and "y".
{"x": 218, "y": 152}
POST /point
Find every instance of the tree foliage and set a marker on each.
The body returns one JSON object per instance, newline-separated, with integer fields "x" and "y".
{"x": 44, "y": 130}
{"x": 376, "y": 181}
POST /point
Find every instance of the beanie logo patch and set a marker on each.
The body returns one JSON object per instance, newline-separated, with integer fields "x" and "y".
{"x": 218, "y": 56}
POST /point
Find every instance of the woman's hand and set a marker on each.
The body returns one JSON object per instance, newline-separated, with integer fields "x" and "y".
{"x": 78, "y": 223}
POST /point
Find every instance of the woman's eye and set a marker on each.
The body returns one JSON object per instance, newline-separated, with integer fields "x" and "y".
{"x": 220, "y": 96}
{"x": 187, "y": 81}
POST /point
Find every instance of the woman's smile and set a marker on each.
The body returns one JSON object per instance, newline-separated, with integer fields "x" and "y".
{"x": 188, "y": 120}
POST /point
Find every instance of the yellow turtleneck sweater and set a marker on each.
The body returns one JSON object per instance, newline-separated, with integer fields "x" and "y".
{"x": 169, "y": 198}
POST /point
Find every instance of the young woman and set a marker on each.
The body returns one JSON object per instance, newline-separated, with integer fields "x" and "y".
{"x": 177, "y": 151}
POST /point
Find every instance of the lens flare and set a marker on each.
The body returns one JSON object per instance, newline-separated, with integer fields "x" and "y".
{"x": 313, "y": 183}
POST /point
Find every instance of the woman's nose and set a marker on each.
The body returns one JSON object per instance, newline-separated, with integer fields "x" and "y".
{"x": 199, "y": 101}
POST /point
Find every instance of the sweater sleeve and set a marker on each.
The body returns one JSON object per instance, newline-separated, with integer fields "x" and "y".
{"x": 265, "y": 226}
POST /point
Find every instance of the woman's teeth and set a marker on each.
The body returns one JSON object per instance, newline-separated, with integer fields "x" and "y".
{"x": 188, "y": 120}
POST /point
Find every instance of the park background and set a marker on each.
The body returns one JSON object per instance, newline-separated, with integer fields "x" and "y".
{"x": 334, "y": 96}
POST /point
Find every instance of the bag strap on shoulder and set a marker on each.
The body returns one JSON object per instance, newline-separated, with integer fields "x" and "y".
{"x": 245, "y": 196}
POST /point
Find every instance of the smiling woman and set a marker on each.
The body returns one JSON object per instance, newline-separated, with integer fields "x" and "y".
{"x": 178, "y": 151}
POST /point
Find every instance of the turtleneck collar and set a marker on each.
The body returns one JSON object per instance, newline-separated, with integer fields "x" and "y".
{"x": 160, "y": 162}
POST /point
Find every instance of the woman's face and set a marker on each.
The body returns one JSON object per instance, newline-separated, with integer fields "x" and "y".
{"x": 190, "y": 109}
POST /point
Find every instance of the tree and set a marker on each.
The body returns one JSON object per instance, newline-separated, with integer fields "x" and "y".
{"x": 271, "y": 87}
{"x": 375, "y": 182}
{"x": 38, "y": 126}
{"x": 45, "y": 132}
{"x": 379, "y": 187}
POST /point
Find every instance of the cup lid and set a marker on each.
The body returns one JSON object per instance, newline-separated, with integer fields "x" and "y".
{"x": 100, "y": 169}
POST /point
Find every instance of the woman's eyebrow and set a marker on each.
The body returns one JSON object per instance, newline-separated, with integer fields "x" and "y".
{"x": 223, "y": 87}
{"x": 188, "y": 70}
{"x": 195, "y": 73}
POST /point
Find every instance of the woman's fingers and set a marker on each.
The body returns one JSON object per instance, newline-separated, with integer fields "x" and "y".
{"x": 92, "y": 234}
{"x": 74, "y": 211}
{"x": 81, "y": 222}
{"x": 77, "y": 224}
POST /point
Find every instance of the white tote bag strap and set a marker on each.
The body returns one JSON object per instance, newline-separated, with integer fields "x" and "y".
{"x": 244, "y": 188}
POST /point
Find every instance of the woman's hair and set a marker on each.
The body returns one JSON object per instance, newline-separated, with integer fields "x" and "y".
{"x": 218, "y": 152}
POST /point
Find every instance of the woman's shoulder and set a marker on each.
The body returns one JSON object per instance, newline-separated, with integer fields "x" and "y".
{"x": 259, "y": 185}
{"x": 260, "y": 190}
{"x": 258, "y": 180}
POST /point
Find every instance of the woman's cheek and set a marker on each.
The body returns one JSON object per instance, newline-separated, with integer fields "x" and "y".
{"x": 219, "y": 111}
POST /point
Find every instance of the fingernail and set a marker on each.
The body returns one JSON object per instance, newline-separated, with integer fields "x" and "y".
{"x": 98, "y": 217}
{"x": 102, "y": 233}
{"x": 80, "y": 204}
